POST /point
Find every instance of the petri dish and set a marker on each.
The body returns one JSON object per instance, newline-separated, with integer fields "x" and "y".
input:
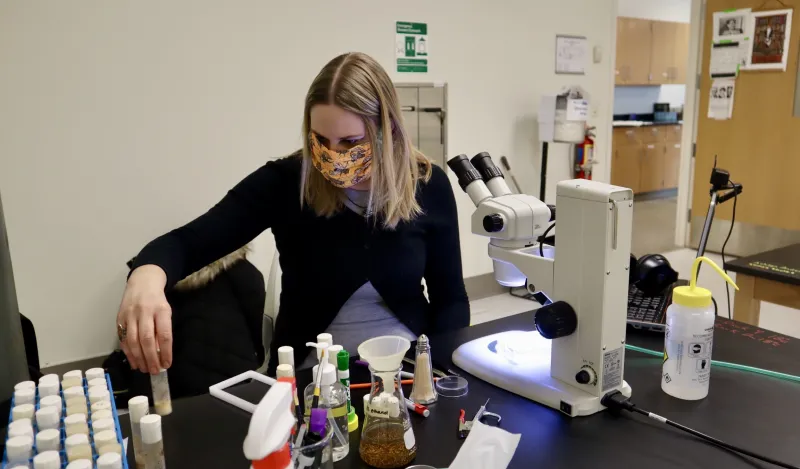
{"x": 452, "y": 386}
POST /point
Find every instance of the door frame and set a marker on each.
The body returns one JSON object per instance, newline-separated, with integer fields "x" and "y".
{"x": 691, "y": 112}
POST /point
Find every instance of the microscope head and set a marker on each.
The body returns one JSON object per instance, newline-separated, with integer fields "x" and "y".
{"x": 500, "y": 215}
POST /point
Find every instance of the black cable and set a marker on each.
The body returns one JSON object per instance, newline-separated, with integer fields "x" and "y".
{"x": 730, "y": 230}
{"x": 617, "y": 401}
{"x": 715, "y": 306}
{"x": 541, "y": 239}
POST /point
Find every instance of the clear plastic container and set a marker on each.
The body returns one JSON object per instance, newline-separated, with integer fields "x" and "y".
{"x": 333, "y": 396}
{"x": 161, "y": 397}
{"x": 139, "y": 406}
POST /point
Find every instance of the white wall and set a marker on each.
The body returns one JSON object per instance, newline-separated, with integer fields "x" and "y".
{"x": 120, "y": 120}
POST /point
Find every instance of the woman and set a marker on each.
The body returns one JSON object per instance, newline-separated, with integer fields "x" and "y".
{"x": 359, "y": 216}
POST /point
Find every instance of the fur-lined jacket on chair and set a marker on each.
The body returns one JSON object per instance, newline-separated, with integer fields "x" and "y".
{"x": 216, "y": 324}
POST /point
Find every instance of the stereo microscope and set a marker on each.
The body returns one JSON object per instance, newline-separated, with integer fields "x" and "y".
{"x": 576, "y": 354}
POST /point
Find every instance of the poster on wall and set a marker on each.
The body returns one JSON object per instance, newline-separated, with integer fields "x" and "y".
{"x": 720, "y": 102}
{"x": 731, "y": 25}
{"x": 572, "y": 53}
{"x": 412, "y": 47}
{"x": 769, "y": 46}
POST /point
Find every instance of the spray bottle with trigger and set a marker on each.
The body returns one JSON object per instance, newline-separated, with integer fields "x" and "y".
{"x": 689, "y": 337}
{"x": 267, "y": 442}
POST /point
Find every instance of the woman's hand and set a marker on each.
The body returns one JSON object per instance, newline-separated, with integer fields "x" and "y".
{"x": 145, "y": 321}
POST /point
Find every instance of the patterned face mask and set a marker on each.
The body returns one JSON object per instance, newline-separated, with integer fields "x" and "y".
{"x": 342, "y": 168}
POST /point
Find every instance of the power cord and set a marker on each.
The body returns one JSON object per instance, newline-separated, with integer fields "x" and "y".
{"x": 733, "y": 220}
{"x": 542, "y": 238}
{"x": 617, "y": 401}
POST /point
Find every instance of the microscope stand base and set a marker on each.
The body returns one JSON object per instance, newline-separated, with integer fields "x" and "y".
{"x": 519, "y": 362}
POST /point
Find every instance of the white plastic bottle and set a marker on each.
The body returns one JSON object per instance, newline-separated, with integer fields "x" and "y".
{"x": 689, "y": 338}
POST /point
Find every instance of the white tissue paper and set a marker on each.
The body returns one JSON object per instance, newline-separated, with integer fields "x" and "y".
{"x": 486, "y": 448}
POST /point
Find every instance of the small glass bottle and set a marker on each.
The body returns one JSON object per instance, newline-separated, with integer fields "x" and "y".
{"x": 78, "y": 447}
{"x": 138, "y": 407}
{"x": 161, "y": 398}
{"x": 333, "y": 396}
{"x": 47, "y": 460}
{"x": 423, "y": 391}
{"x": 152, "y": 442}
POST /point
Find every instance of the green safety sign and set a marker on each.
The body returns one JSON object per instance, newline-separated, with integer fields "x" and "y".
{"x": 411, "y": 47}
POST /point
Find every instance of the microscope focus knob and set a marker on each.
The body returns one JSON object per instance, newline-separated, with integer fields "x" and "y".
{"x": 555, "y": 320}
{"x": 493, "y": 223}
{"x": 585, "y": 376}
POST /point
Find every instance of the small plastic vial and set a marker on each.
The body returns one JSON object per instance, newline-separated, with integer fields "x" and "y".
{"x": 20, "y": 424}
{"x": 138, "y": 407}
{"x": 24, "y": 411}
{"x": 25, "y": 385}
{"x": 50, "y": 377}
{"x": 101, "y": 405}
{"x": 104, "y": 425}
{"x": 80, "y": 464}
{"x": 95, "y": 373}
{"x": 24, "y": 396}
{"x": 20, "y": 431}
{"x": 286, "y": 356}
{"x": 78, "y": 447}
{"x": 101, "y": 414}
{"x": 76, "y": 406}
{"x": 99, "y": 394}
{"x": 48, "y": 418}
{"x": 48, "y": 388}
{"x": 75, "y": 392}
{"x": 52, "y": 401}
{"x": 98, "y": 382}
{"x": 106, "y": 442}
{"x": 76, "y": 425}
{"x": 48, "y": 440}
{"x": 74, "y": 374}
{"x": 161, "y": 398}
{"x": 67, "y": 383}
{"x": 152, "y": 442}
{"x": 109, "y": 461}
{"x": 47, "y": 460}
{"x": 19, "y": 448}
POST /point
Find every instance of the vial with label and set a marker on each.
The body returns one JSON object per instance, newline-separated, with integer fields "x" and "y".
{"x": 152, "y": 442}
{"x": 689, "y": 337}
{"x": 138, "y": 407}
{"x": 47, "y": 460}
{"x": 78, "y": 447}
{"x": 161, "y": 398}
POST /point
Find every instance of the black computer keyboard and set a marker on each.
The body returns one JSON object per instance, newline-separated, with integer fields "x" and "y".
{"x": 650, "y": 308}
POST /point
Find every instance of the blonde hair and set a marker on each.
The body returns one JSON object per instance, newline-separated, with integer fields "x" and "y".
{"x": 356, "y": 83}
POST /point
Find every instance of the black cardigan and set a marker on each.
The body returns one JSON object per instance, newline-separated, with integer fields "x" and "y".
{"x": 324, "y": 260}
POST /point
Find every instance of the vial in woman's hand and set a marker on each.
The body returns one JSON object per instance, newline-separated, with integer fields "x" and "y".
{"x": 161, "y": 397}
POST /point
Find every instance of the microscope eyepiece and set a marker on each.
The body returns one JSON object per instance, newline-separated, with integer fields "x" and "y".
{"x": 484, "y": 164}
{"x": 464, "y": 170}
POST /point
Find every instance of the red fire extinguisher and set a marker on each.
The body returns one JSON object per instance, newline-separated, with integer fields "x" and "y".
{"x": 584, "y": 156}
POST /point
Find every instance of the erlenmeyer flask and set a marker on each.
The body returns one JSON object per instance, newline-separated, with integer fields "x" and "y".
{"x": 387, "y": 439}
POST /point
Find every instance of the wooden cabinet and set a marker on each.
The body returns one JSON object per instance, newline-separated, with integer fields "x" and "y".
{"x": 652, "y": 172}
{"x": 672, "y": 164}
{"x": 634, "y": 37}
{"x": 651, "y": 52}
{"x": 646, "y": 159}
{"x": 626, "y": 167}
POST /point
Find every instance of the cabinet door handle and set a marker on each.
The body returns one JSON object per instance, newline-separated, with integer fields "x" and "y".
{"x": 650, "y": 147}
{"x": 408, "y": 108}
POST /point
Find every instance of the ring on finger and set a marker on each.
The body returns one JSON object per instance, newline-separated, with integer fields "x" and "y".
{"x": 122, "y": 332}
